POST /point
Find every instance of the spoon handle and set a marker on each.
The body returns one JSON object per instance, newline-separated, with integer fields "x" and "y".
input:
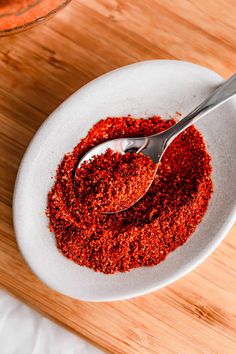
{"x": 222, "y": 94}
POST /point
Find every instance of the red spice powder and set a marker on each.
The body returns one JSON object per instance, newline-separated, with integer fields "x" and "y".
{"x": 112, "y": 182}
{"x": 146, "y": 233}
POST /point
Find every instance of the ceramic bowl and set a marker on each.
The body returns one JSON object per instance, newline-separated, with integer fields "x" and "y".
{"x": 144, "y": 89}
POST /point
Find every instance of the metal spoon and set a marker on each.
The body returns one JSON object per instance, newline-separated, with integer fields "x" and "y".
{"x": 155, "y": 145}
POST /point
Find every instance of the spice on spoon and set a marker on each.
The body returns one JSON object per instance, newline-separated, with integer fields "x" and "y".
{"x": 112, "y": 182}
{"x": 146, "y": 233}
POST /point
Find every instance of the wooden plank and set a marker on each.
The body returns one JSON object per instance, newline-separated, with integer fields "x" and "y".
{"x": 43, "y": 66}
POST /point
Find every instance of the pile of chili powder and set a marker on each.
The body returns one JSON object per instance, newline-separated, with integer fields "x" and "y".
{"x": 146, "y": 233}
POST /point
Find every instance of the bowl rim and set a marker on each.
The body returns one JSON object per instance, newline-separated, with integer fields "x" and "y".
{"x": 35, "y": 22}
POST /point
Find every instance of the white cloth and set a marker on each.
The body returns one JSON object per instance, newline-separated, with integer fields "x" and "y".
{"x": 24, "y": 331}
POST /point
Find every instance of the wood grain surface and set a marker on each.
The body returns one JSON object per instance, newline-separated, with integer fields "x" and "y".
{"x": 42, "y": 67}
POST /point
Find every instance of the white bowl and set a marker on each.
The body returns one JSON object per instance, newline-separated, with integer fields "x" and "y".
{"x": 142, "y": 90}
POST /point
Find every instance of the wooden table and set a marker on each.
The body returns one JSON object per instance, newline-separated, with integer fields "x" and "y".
{"x": 38, "y": 70}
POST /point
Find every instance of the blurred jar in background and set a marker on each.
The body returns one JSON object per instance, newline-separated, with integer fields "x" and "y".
{"x": 18, "y": 15}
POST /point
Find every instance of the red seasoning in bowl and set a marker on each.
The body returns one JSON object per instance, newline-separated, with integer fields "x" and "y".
{"x": 18, "y": 15}
{"x": 156, "y": 225}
